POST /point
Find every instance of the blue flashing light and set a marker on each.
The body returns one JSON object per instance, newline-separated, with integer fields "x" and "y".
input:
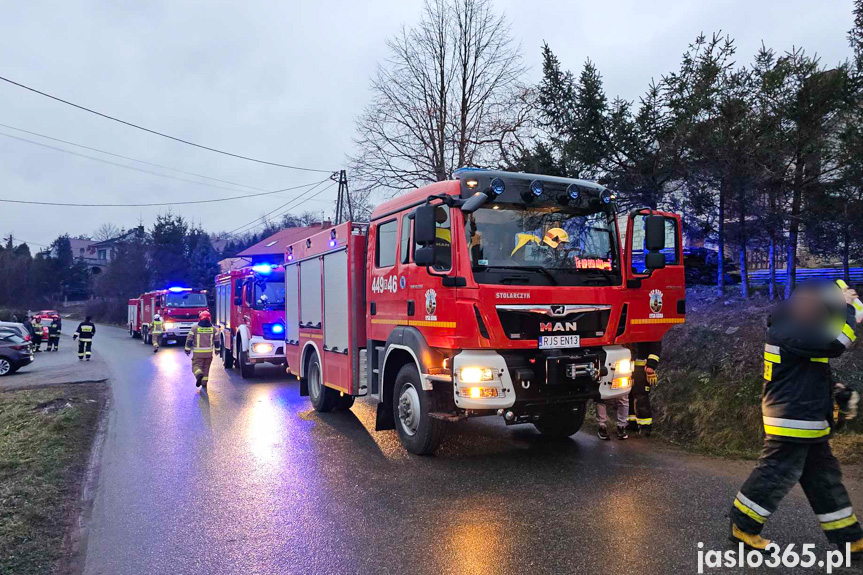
{"x": 497, "y": 186}
{"x": 605, "y": 196}
{"x": 278, "y": 328}
{"x": 262, "y": 268}
{"x": 536, "y": 188}
{"x": 178, "y": 289}
{"x": 573, "y": 191}
{"x": 333, "y": 243}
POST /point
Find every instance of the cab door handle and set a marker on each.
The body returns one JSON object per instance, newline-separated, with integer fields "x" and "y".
{"x": 411, "y": 307}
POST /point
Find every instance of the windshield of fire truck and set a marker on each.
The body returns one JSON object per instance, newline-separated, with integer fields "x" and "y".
{"x": 186, "y": 300}
{"x": 545, "y": 244}
{"x": 270, "y": 291}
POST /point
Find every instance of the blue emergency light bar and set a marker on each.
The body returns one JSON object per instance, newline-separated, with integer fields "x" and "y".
{"x": 262, "y": 268}
{"x": 178, "y": 289}
{"x": 278, "y": 328}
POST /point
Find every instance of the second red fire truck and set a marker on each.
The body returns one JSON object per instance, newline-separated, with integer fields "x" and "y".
{"x": 493, "y": 293}
{"x": 250, "y": 311}
{"x": 179, "y": 307}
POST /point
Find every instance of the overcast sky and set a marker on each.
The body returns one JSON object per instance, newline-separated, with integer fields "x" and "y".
{"x": 283, "y": 81}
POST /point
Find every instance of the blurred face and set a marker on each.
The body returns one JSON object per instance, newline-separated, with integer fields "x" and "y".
{"x": 808, "y": 308}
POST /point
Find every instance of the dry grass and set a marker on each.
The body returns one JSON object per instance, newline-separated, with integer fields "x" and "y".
{"x": 45, "y": 439}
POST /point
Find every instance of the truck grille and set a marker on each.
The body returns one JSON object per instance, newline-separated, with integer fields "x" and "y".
{"x": 531, "y": 321}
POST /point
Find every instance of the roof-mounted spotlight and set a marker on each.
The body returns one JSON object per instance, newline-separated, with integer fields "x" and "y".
{"x": 471, "y": 183}
{"x": 536, "y": 188}
{"x": 497, "y": 187}
{"x": 573, "y": 192}
{"x": 606, "y": 196}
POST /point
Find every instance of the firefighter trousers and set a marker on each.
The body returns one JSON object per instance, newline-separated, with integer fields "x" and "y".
{"x": 781, "y": 465}
{"x": 640, "y": 414}
{"x": 53, "y": 342}
{"x": 201, "y": 365}
{"x": 157, "y": 338}
{"x": 37, "y": 341}
{"x": 84, "y": 348}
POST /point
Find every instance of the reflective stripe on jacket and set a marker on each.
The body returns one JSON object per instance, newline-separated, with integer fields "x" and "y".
{"x": 797, "y": 400}
{"x": 201, "y": 339}
{"x": 157, "y": 326}
{"x": 85, "y": 331}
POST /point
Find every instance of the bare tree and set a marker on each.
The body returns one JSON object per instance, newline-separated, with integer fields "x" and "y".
{"x": 448, "y": 96}
{"x": 106, "y": 231}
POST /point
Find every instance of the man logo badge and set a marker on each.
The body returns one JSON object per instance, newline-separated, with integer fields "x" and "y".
{"x": 558, "y": 310}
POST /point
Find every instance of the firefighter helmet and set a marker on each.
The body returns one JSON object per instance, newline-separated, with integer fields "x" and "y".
{"x": 204, "y": 315}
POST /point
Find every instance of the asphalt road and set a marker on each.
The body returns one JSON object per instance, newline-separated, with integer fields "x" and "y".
{"x": 248, "y": 479}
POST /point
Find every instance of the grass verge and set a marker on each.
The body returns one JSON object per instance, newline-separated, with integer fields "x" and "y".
{"x": 45, "y": 440}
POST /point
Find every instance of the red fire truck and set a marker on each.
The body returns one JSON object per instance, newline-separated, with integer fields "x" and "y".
{"x": 493, "y": 293}
{"x": 250, "y": 310}
{"x": 178, "y": 306}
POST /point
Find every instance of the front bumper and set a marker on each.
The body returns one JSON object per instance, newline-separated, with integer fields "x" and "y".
{"x": 266, "y": 350}
{"x": 178, "y": 331}
{"x": 534, "y": 379}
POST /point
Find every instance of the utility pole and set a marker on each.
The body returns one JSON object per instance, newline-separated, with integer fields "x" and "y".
{"x": 343, "y": 199}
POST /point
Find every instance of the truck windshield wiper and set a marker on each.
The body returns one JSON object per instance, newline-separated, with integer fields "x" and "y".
{"x": 539, "y": 269}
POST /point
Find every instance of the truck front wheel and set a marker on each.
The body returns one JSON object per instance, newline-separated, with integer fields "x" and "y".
{"x": 247, "y": 368}
{"x": 227, "y": 356}
{"x": 322, "y": 397}
{"x": 412, "y": 407}
{"x": 562, "y": 423}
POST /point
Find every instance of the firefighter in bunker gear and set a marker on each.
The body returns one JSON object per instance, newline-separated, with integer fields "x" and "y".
{"x": 201, "y": 343}
{"x": 646, "y": 356}
{"x": 797, "y": 409}
{"x": 37, "y": 333}
{"x": 54, "y": 335}
{"x": 84, "y": 334}
{"x": 157, "y": 330}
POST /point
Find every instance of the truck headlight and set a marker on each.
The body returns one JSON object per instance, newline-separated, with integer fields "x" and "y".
{"x": 623, "y": 367}
{"x": 262, "y": 348}
{"x": 621, "y": 382}
{"x": 474, "y": 374}
{"x": 479, "y": 392}
{"x": 169, "y": 325}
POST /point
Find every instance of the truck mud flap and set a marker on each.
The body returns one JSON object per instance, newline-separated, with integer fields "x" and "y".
{"x": 384, "y": 419}
{"x": 304, "y": 387}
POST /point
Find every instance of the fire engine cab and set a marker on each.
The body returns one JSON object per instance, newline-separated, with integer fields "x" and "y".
{"x": 493, "y": 293}
{"x": 178, "y": 306}
{"x": 250, "y": 312}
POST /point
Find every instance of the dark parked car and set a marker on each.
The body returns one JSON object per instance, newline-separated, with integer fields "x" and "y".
{"x": 15, "y": 353}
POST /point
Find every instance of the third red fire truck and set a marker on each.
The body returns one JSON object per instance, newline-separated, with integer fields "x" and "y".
{"x": 493, "y": 293}
{"x": 250, "y": 311}
{"x": 179, "y": 307}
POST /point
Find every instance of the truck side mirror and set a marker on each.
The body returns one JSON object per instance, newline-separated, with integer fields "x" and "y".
{"x": 425, "y": 226}
{"x": 654, "y": 233}
{"x": 654, "y": 242}
{"x": 425, "y": 256}
{"x": 474, "y": 202}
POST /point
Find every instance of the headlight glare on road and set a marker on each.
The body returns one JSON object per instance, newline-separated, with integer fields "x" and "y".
{"x": 623, "y": 367}
{"x": 262, "y": 348}
{"x": 475, "y": 374}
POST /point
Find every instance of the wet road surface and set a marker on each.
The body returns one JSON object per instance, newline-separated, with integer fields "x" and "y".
{"x": 249, "y": 479}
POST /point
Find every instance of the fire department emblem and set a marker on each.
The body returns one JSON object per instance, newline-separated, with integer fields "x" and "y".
{"x": 431, "y": 302}
{"x": 656, "y": 301}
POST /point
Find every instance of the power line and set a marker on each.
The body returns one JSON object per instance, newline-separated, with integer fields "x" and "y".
{"x": 254, "y": 223}
{"x": 126, "y": 157}
{"x": 136, "y": 126}
{"x": 156, "y": 204}
{"x": 109, "y": 162}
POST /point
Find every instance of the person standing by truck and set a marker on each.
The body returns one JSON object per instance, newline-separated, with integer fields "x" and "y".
{"x": 54, "y": 335}
{"x": 816, "y": 324}
{"x": 201, "y": 343}
{"x": 157, "y": 331}
{"x": 643, "y": 379}
{"x": 84, "y": 334}
{"x": 36, "y": 322}
{"x": 621, "y": 414}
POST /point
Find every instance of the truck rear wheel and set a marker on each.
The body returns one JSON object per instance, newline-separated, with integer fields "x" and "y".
{"x": 418, "y": 432}
{"x": 562, "y": 423}
{"x": 322, "y": 397}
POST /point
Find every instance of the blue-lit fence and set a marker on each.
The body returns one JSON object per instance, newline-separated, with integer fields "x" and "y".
{"x": 803, "y": 274}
